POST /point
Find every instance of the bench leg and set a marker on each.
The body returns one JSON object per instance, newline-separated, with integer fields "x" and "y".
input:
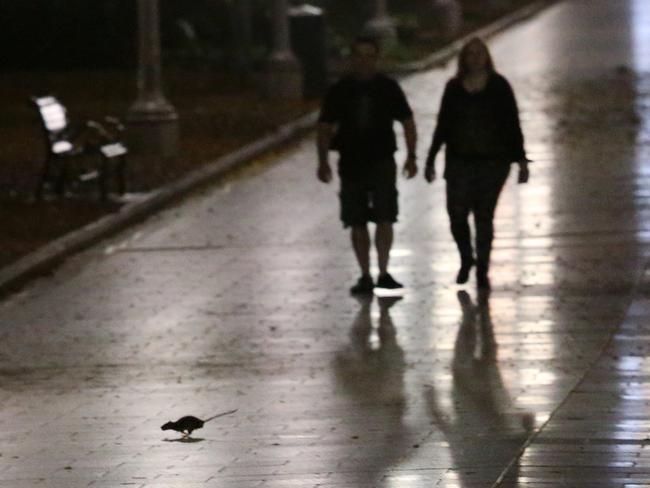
{"x": 103, "y": 175}
{"x": 45, "y": 174}
{"x": 121, "y": 169}
{"x": 60, "y": 181}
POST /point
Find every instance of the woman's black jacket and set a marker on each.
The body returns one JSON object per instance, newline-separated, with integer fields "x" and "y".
{"x": 478, "y": 127}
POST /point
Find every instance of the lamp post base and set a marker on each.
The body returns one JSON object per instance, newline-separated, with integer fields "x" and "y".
{"x": 153, "y": 130}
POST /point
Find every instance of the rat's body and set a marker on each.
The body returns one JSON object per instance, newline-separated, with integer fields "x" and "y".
{"x": 187, "y": 424}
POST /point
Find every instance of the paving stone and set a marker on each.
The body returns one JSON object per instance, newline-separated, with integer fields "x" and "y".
{"x": 237, "y": 298}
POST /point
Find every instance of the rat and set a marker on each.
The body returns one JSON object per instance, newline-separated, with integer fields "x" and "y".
{"x": 187, "y": 424}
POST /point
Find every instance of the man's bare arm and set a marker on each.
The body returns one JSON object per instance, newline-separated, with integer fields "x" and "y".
{"x": 411, "y": 136}
{"x": 324, "y": 139}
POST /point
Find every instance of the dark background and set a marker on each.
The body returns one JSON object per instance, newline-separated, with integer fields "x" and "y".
{"x": 55, "y": 34}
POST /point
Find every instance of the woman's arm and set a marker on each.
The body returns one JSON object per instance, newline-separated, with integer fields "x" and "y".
{"x": 516, "y": 134}
{"x": 511, "y": 111}
{"x": 439, "y": 134}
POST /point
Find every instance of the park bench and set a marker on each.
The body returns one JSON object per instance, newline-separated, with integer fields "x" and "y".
{"x": 66, "y": 141}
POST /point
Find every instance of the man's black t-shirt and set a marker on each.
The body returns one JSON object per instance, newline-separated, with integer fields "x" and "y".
{"x": 364, "y": 112}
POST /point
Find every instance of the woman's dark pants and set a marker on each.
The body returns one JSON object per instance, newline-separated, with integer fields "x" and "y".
{"x": 476, "y": 189}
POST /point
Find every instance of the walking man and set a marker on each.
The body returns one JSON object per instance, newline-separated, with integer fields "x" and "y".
{"x": 356, "y": 120}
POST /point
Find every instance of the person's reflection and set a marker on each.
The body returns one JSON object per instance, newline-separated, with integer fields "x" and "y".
{"x": 484, "y": 428}
{"x": 372, "y": 367}
{"x": 370, "y": 373}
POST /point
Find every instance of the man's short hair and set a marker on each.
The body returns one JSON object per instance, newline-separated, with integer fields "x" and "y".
{"x": 367, "y": 40}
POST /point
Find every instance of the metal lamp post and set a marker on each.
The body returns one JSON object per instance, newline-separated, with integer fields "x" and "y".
{"x": 284, "y": 77}
{"x": 152, "y": 120}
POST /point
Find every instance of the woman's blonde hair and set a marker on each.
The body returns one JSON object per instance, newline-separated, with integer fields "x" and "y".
{"x": 462, "y": 64}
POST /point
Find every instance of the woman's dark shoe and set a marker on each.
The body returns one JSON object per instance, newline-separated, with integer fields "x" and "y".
{"x": 388, "y": 282}
{"x": 363, "y": 286}
{"x": 463, "y": 273}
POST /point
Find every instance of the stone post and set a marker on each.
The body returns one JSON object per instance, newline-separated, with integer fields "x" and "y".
{"x": 381, "y": 26}
{"x": 241, "y": 35}
{"x": 448, "y": 17}
{"x": 284, "y": 76}
{"x": 152, "y": 121}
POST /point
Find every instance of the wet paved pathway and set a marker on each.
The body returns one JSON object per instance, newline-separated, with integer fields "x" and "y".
{"x": 238, "y": 299}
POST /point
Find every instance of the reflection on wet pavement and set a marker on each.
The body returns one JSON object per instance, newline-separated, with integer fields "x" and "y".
{"x": 485, "y": 430}
{"x": 238, "y": 299}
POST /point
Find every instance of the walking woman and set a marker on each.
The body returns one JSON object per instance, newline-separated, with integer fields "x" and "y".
{"x": 478, "y": 123}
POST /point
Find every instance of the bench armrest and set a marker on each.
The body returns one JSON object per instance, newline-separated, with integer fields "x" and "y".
{"x": 115, "y": 123}
{"x": 100, "y": 130}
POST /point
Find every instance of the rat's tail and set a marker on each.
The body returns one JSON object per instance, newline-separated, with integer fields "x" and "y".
{"x": 220, "y": 415}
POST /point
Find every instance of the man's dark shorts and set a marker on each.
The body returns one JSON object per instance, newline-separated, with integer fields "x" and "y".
{"x": 371, "y": 197}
